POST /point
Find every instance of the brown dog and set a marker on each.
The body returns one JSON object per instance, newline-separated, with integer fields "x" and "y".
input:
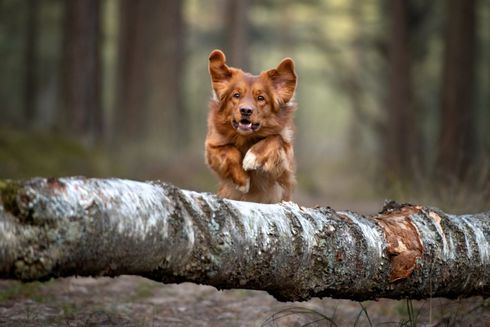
{"x": 250, "y": 131}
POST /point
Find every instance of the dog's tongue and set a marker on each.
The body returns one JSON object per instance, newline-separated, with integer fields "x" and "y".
{"x": 245, "y": 124}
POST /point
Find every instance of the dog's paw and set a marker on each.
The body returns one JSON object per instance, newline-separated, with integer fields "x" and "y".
{"x": 250, "y": 161}
{"x": 244, "y": 188}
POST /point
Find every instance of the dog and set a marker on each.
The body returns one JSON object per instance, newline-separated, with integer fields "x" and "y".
{"x": 249, "y": 143}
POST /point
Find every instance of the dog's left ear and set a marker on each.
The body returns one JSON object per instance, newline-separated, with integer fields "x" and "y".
{"x": 220, "y": 73}
{"x": 283, "y": 79}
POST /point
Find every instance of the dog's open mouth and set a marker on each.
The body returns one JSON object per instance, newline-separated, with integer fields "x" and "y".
{"x": 245, "y": 125}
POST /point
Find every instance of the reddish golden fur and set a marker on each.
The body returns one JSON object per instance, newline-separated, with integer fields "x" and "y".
{"x": 250, "y": 130}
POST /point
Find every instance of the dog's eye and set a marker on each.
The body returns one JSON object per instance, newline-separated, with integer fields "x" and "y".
{"x": 260, "y": 98}
{"x": 236, "y": 95}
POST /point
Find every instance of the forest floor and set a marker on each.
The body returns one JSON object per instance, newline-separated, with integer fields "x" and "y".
{"x": 135, "y": 301}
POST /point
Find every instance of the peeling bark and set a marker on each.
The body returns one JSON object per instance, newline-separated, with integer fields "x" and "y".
{"x": 404, "y": 245}
{"x": 95, "y": 227}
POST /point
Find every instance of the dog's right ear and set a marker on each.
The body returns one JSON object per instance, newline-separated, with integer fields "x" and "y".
{"x": 283, "y": 78}
{"x": 219, "y": 71}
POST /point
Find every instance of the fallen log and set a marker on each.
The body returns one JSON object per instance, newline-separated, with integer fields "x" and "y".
{"x": 109, "y": 227}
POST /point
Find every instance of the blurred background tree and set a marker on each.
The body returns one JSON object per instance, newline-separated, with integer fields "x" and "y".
{"x": 393, "y": 95}
{"x": 81, "y": 116}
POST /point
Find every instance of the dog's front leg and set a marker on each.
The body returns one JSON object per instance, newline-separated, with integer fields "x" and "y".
{"x": 226, "y": 161}
{"x": 272, "y": 155}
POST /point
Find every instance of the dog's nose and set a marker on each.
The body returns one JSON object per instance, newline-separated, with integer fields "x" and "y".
{"x": 246, "y": 111}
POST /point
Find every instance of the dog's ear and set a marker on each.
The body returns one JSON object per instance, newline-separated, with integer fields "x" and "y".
{"x": 283, "y": 79}
{"x": 219, "y": 71}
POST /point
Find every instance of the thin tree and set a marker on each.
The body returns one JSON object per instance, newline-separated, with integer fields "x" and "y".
{"x": 457, "y": 137}
{"x": 149, "y": 106}
{"x": 81, "y": 114}
{"x": 31, "y": 61}
{"x": 237, "y": 27}
{"x": 400, "y": 137}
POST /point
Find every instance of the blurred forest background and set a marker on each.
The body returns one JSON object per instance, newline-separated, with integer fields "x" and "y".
{"x": 394, "y": 96}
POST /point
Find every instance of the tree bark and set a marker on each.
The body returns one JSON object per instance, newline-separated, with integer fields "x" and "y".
{"x": 236, "y": 16}
{"x": 95, "y": 227}
{"x": 81, "y": 114}
{"x": 150, "y": 106}
{"x": 457, "y": 137}
{"x": 400, "y": 140}
{"x": 31, "y": 61}
{"x": 130, "y": 107}
{"x": 167, "y": 120}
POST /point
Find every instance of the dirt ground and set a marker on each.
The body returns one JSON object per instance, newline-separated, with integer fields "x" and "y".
{"x": 135, "y": 301}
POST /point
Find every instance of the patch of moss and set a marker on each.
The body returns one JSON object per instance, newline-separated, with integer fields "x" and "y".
{"x": 8, "y": 195}
{"x": 24, "y": 154}
{"x": 143, "y": 291}
{"x": 69, "y": 310}
{"x": 17, "y": 290}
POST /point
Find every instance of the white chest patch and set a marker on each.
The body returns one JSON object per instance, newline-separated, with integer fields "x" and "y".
{"x": 287, "y": 134}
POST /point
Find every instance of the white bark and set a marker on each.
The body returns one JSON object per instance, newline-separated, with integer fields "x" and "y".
{"x": 78, "y": 226}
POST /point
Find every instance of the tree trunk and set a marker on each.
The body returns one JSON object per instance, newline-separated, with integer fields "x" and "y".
{"x": 167, "y": 120}
{"x": 237, "y": 33}
{"x": 457, "y": 138}
{"x": 30, "y": 62}
{"x": 81, "y": 109}
{"x": 94, "y": 227}
{"x": 401, "y": 134}
{"x": 130, "y": 104}
{"x": 151, "y": 70}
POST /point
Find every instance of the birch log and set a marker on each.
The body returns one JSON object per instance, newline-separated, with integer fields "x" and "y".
{"x": 108, "y": 227}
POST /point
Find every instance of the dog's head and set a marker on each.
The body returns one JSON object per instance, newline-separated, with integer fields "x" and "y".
{"x": 252, "y": 105}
